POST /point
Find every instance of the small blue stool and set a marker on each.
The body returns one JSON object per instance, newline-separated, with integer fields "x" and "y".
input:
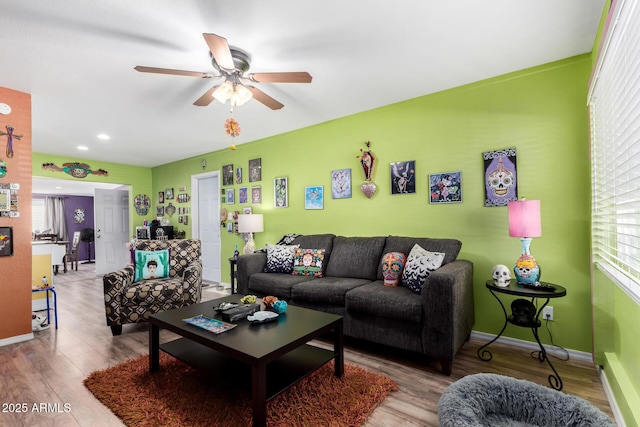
{"x": 55, "y": 302}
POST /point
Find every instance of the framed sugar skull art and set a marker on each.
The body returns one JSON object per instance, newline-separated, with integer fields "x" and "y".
{"x": 500, "y": 177}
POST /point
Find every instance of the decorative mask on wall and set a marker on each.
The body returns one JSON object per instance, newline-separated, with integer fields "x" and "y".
{"x": 76, "y": 170}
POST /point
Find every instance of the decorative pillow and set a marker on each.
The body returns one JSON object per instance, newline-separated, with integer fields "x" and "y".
{"x": 392, "y": 265}
{"x": 420, "y": 264}
{"x": 280, "y": 258}
{"x": 308, "y": 262}
{"x": 151, "y": 264}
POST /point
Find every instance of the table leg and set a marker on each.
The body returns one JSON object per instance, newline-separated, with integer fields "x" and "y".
{"x": 554, "y": 379}
{"x": 482, "y": 352}
{"x": 338, "y": 350}
{"x": 55, "y": 307}
{"x": 259, "y": 394}
{"x": 46, "y": 295}
{"x": 154, "y": 348}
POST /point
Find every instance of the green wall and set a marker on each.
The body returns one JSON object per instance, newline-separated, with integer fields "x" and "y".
{"x": 540, "y": 111}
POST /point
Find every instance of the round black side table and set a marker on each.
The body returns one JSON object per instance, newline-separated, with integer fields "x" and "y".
{"x": 518, "y": 290}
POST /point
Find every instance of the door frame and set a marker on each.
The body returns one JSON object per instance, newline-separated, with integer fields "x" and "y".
{"x": 195, "y": 204}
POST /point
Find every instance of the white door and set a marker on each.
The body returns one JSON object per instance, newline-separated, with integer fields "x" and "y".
{"x": 206, "y": 222}
{"x": 111, "y": 232}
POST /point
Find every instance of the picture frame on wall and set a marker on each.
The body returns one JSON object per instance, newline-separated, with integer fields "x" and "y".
{"x": 159, "y": 210}
{"x": 256, "y": 195}
{"x": 314, "y": 197}
{"x": 445, "y": 187}
{"x": 231, "y": 195}
{"x": 243, "y": 195}
{"x": 161, "y": 197}
{"x": 403, "y": 177}
{"x": 238, "y": 175}
{"x": 281, "y": 192}
{"x": 255, "y": 170}
{"x": 6, "y": 241}
{"x": 500, "y": 177}
{"x": 341, "y": 184}
{"x": 168, "y": 193}
{"x": 247, "y": 210}
{"x": 227, "y": 174}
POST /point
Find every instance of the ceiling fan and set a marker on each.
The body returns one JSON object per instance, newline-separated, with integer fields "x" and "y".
{"x": 232, "y": 65}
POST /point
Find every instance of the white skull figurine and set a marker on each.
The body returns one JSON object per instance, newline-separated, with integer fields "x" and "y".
{"x": 501, "y": 275}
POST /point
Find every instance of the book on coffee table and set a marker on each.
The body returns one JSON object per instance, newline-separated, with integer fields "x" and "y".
{"x": 212, "y": 325}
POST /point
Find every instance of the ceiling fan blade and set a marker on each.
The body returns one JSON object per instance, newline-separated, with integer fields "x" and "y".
{"x": 295, "y": 77}
{"x": 207, "y": 98}
{"x": 144, "y": 69}
{"x": 220, "y": 50}
{"x": 262, "y": 97}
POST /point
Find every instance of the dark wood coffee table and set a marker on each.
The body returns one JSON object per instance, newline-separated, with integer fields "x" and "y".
{"x": 266, "y": 359}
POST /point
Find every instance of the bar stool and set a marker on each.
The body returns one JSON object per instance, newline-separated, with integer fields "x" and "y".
{"x": 55, "y": 302}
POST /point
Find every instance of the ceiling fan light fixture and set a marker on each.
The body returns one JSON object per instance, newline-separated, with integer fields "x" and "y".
{"x": 223, "y": 92}
{"x": 241, "y": 95}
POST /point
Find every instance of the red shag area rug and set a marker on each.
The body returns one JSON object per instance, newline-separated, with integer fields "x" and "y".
{"x": 180, "y": 396}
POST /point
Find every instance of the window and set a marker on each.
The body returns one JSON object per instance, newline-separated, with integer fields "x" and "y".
{"x": 37, "y": 214}
{"x": 614, "y": 104}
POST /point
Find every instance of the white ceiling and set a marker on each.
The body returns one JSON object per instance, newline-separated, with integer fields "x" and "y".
{"x": 76, "y": 58}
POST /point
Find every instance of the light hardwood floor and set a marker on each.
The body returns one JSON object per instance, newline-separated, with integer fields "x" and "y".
{"x": 50, "y": 368}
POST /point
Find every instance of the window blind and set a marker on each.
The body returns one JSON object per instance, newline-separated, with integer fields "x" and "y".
{"x": 37, "y": 214}
{"x": 614, "y": 105}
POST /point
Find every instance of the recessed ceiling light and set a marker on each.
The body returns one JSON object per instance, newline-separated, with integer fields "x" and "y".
{"x": 83, "y": 147}
{"x": 103, "y": 136}
{"x": 58, "y": 188}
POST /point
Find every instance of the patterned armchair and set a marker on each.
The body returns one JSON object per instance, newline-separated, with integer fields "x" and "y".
{"x": 127, "y": 301}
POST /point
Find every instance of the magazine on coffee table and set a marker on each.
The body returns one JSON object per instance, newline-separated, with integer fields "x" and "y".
{"x": 212, "y": 325}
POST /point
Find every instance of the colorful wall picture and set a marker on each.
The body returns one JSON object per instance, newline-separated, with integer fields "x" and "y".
{"x": 314, "y": 197}
{"x": 6, "y": 241}
{"x": 161, "y": 197}
{"x": 445, "y": 187}
{"x": 403, "y": 177}
{"x": 168, "y": 193}
{"x": 500, "y": 177}
{"x": 227, "y": 175}
{"x": 238, "y": 175}
{"x": 231, "y": 196}
{"x": 341, "y": 184}
{"x": 255, "y": 170}
{"x": 243, "y": 195}
{"x": 247, "y": 210}
{"x": 280, "y": 193}
{"x": 256, "y": 195}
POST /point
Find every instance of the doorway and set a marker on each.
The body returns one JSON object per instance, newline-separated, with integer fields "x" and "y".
{"x": 205, "y": 205}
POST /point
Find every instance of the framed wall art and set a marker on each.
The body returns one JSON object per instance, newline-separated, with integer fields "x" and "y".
{"x": 341, "y": 184}
{"x": 227, "y": 175}
{"x": 243, "y": 195}
{"x": 256, "y": 195}
{"x": 281, "y": 192}
{"x": 255, "y": 170}
{"x": 238, "y": 175}
{"x": 231, "y": 196}
{"x": 168, "y": 193}
{"x": 161, "y": 197}
{"x": 403, "y": 177}
{"x": 445, "y": 187}
{"x": 247, "y": 210}
{"x": 314, "y": 197}
{"x": 78, "y": 216}
{"x": 159, "y": 210}
{"x": 500, "y": 177}
{"x": 6, "y": 241}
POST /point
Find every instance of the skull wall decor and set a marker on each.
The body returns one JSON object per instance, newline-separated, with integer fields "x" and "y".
{"x": 501, "y": 275}
{"x": 523, "y": 311}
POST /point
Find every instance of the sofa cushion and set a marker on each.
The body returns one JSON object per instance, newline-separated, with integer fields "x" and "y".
{"x": 356, "y": 257}
{"x": 450, "y": 247}
{"x": 276, "y": 284}
{"x": 151, "y": 264}
{"x": 317, "y": 241}
{"x": 280, "y": 258}
{"x": 420, "y": 263}
{"x": 154, "y": 292}
{"x": 308, "y": 262}
{"x": 376, "y": 299}
{"x": 327, "y": 290}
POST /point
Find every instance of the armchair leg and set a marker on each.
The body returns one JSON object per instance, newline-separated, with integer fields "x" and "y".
{"x": 116, "y": 330}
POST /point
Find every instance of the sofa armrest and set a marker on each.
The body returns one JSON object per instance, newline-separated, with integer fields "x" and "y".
{"x": 113, "y": 284}
{"x": 192, "y": 282}
{"x": 447, "y": 299}
{"x": 247, "y": 265}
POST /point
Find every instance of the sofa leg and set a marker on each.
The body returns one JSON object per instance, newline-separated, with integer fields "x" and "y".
{"x": 116, "y": 329}
{"x": 447, "y": 365}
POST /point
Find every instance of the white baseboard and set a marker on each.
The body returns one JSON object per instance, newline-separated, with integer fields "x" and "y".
{"x": 611, "y": 398}
{"x": 16, "y": 339}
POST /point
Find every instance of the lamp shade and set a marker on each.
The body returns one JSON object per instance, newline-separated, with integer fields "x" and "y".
{"x": 524, "y": 218}
{"x": 251, "y": 223}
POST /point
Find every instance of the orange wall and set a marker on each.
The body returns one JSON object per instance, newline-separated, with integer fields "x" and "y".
{"x": 15, "y": 271}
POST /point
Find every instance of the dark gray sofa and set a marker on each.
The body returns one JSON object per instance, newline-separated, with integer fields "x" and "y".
{"x": 435, "y": 323}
